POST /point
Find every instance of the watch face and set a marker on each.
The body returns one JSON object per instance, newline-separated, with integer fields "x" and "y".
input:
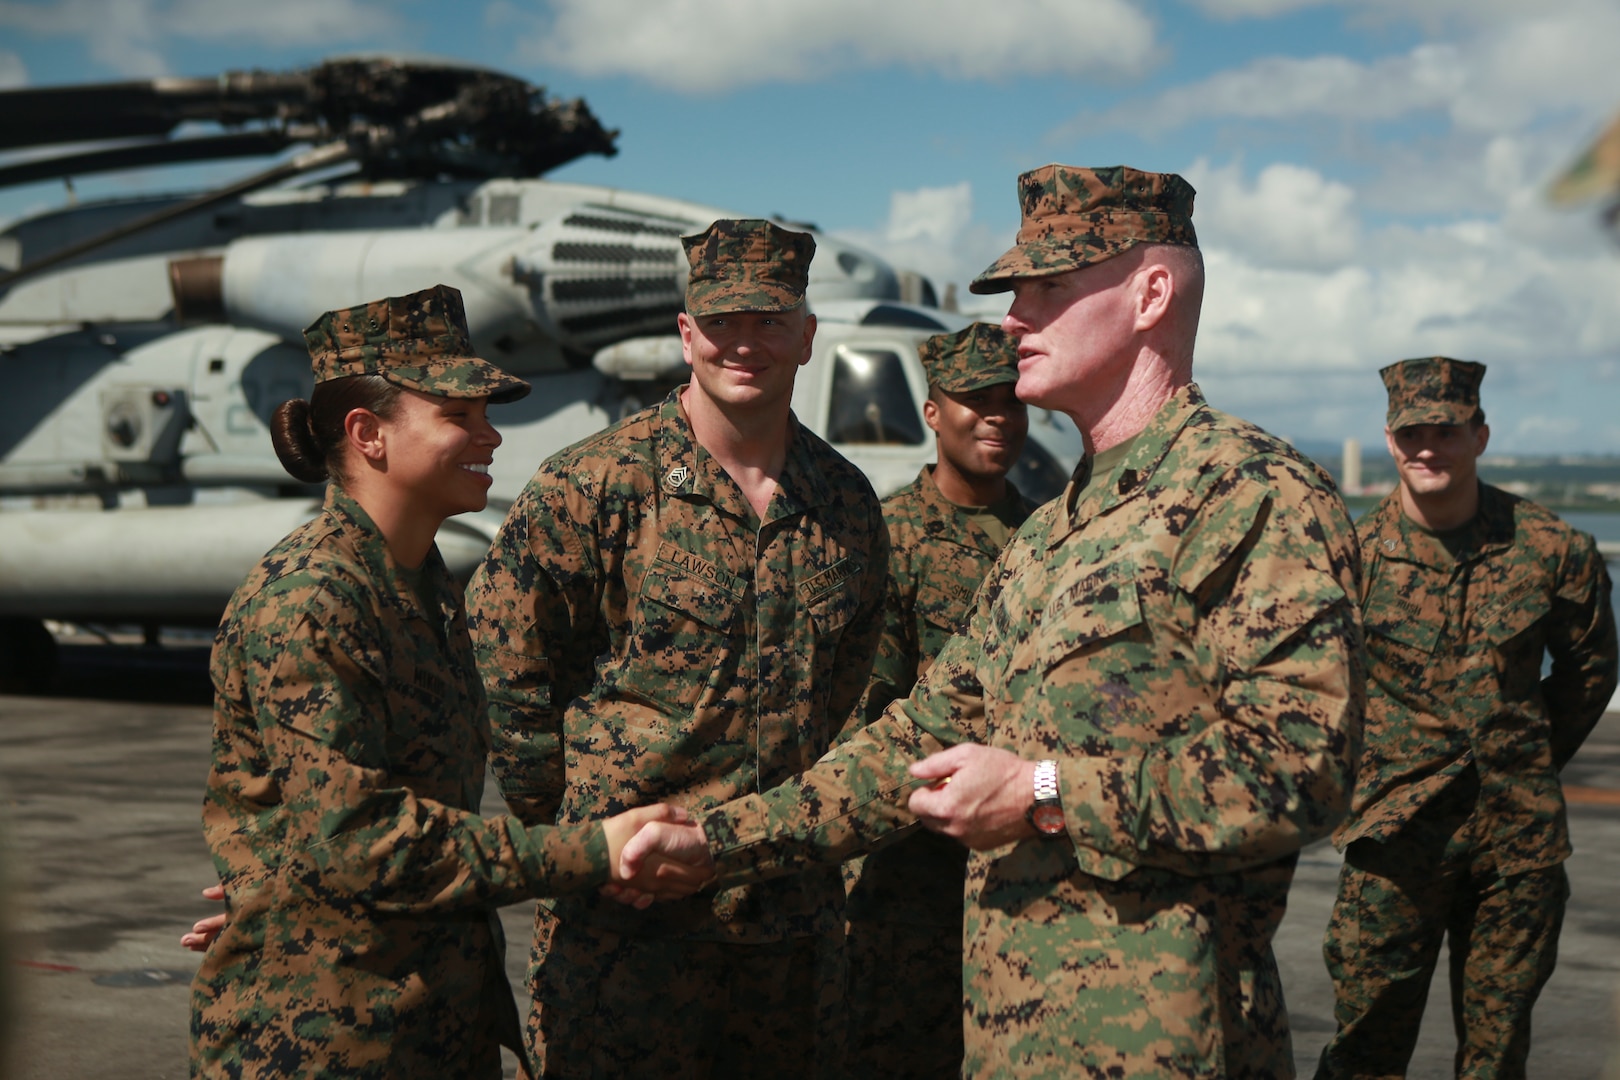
{"x": 1047, "y": 819}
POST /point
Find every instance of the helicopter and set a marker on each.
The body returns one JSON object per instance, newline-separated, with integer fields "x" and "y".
{"x": 146, "y": 341}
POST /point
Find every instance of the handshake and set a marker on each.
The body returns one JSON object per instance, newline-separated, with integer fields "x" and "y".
{"x": 655, "y": 853}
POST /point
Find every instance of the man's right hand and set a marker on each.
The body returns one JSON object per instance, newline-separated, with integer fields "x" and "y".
{"x": 660, "y": 861}
{"x": 650, "y": 864}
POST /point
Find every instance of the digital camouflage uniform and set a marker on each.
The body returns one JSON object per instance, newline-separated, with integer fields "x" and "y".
{"x": 1457, "y": 826}
{"x": 1179, "y": 633}
{"x": 348, "y": 760}
{"x": 645, "y": 638}
{"x": 905, "y": 899}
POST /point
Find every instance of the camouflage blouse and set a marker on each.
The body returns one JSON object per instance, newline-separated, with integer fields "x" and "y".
{"x": 1181, "y": 636}
{"x": 1455, "y": 643}
{"x": 645, "y": 638}
{"x": 349, "y": 751}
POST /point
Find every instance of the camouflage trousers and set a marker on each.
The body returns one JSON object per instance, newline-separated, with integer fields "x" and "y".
{"x": 1396, "y": 901}
{"x": 905, "y": 1000}
{"x": 609, "y": 1006}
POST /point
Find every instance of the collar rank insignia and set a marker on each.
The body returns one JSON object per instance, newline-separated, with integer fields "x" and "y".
{"x": 1390, "y": 546}
{"x": 676, "y": 478}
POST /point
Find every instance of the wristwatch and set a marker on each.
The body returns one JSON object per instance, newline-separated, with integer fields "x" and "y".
{"x": 1046, "y": 813}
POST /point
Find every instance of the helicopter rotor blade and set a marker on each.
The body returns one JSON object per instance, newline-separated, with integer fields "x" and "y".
{"x": 49, "y": 115}
{"x": 145, "y": 155}
{"x": 320, "y": 157}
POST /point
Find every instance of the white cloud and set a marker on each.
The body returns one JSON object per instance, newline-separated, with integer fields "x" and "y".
{"x": 1290, "y": 216}
{"x": 13, "y": 72}
{"x": 130, "y": 36}
{"x": 932, "y": 231}
{"x": 711, "y": 45}
{"x": 1495, "y": 77}
{"x": 1249, "y": 9}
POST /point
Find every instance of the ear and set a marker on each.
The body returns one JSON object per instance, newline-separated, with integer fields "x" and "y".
{"x": 1482, "y": 438}
{"x": 687, "y": 326}
{"x": 1389, "y": 442}
{"x": 363, "y": 430}
{"x": 1154, "y": 290}
{"x": 931, "y": 414}
{"x": 809, "y": 338}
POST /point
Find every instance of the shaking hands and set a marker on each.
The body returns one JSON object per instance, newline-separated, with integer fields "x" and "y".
{"x": 655, "y": 853}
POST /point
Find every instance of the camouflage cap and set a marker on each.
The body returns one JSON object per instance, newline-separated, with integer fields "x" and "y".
{"x": 418, "y": 341}
{"x": 747, "y": 264}
{"x": 1073, "y": 217}
{"x": 1432, "y": 390}
{"x": 973, "y": 358}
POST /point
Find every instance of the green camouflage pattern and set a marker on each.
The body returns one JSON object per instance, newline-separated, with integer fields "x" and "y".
{"x": 1074, "y": 217}
{"x": 348, "y": 759}
{"x": 746, "y": 264}
{"x": 645, "y": 638}
{"x": 973, "y": 358}
{"x": 419, "y": 341}
{"x": 1180, "y": 634}
{"x": 1458, "y": 826}
{"x": 695, "y": 1008}
{"x": 1455, "y": 650}
{"x": 1431, "y": 390}
{"x": 1397, "y": 899}
{"x": 905, "y": 899}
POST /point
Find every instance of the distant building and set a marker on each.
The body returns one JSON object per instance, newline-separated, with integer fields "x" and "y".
{"x": 1350, "y": 467}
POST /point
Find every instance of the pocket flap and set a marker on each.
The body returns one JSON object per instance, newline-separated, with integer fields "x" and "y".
{"x": 1089, "y": 609}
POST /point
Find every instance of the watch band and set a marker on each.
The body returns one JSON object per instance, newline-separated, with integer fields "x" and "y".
{"x": 1046, "y": 812}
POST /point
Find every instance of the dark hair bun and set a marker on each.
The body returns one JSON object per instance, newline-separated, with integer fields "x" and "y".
{"x": 295, "y": 443}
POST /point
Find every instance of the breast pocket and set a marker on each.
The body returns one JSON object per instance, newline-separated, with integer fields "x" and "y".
{"x": 1088, "y": 611}
{"x": 832, "y": 597}
{"x": 681, "y": 637}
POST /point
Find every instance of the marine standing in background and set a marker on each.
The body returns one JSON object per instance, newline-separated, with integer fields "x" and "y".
{"x": 349, "y": 739}
{"x": 1157, "y": 701}
{"x": 1458, "y": 827}
{"x": 945, "y": 530}
{"x": 684, "y": 608}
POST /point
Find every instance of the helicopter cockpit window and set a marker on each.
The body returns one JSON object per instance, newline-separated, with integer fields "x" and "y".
{"x": 871, "y": 401}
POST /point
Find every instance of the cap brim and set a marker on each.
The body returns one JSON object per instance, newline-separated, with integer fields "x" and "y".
{"x": 1041, "y": 258}
{"x": 720, "y": 297}
{"x": 980, "y": 381}
{"x": 459, "y": 377}
{"x": 1433, "y": 412}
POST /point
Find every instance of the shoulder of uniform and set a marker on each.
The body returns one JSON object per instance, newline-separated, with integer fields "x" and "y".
{"x": 311, "y": 572}
{"x": 904, "y": 501}
{"x": 1538, "y": 528}
{"x": 1223, "y": 444}
{"x": 631, "y": 436}
{"x": 839, "y": 474}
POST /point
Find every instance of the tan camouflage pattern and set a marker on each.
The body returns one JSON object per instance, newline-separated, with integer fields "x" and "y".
{"x": 645, "y": 638}
{"x": 746, "y": 264}
{"x": 1431, "y": 390}
{"x": 1455, "y": 649}
{"x": 695, "y": 1009}
{"x": 1397, "y": 900}
{"x": 1180, "y": 635}
{"x": 1074, "y": 217}
{"x": 972, "y": 358}
{"x": 419, "y": 341}
{"x": 349, "y": 751}
{"x": 905, "y": 899}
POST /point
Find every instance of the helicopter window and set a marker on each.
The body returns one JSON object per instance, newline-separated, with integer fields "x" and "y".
{"x": 503, "y": 209}
{"x": 871, "y": 401}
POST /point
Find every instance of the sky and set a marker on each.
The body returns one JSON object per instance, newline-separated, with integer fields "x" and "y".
{"x": 1371, "y": 174}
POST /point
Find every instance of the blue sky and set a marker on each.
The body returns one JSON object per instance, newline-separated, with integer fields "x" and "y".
{"x": 1370, "y": 172}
